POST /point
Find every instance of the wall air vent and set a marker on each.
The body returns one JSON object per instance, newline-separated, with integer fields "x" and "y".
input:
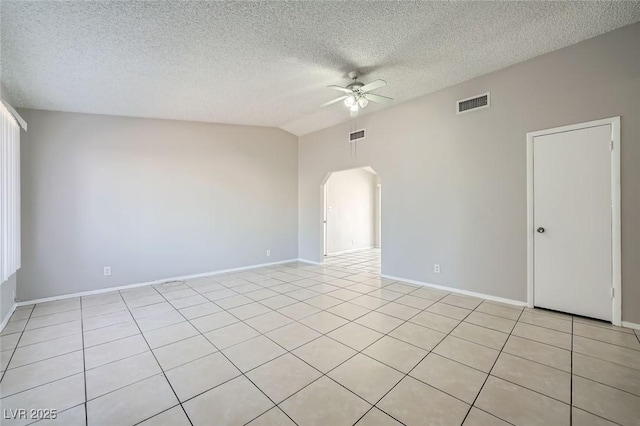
{"x": 358, "y": 135}
{"x": 474, "y": 103}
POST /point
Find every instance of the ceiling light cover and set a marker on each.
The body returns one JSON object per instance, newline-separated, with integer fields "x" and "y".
{"x": 350, "y": 101}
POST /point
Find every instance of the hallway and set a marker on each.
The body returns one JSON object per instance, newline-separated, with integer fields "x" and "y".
{"x": 367, "y": 260}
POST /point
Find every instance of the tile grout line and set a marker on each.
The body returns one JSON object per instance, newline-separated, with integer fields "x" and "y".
{"x": 571, "y": 377}
{"x": 322, "y": 374}
{"x": 139, "y": 353}
{"x": 16, "y": 347}
{"x": 83, "y": 404}
{"x": 490, "y": 370}
{"x": 354, "y": 320}
{"x": 84, "y": 369}
{"x": 571, "y": 351}
{"x": 408, "y": 320}
{"x": 227, "y": 358}
{"x": 585, "y": 337}
{"x": 371, "y": 310}
{"x": 322, "y": 334}
{"x": 374, "y": 342}
{"x": 407, "y": 374}
{"x": 603, "y": 384}
{"x": 599, "y": 417}
{"x": 348, "y": 321}
{"x": 357, "y": 352}
{"x": 161, "y": 369}
{"x": 560, "y": 370}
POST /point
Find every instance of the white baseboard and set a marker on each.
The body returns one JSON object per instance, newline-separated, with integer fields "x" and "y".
{"x": 631, "y": 325}
{"x": 313, "y": 262}
{"x": 350, "y": 251}
{"x": 5, "y": 320}
{"x": 457, "y": 290}
{"x": 154, "y": 282}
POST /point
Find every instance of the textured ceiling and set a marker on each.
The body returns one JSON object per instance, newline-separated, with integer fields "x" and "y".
{"x": 267, "y": 63}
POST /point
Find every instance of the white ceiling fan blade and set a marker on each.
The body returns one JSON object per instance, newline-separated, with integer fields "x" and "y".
{"x": 341, "y": 98}
{"x": 373, "y": 85}
{"x": 342, "y": 89}
{"x": 379, "y": 99}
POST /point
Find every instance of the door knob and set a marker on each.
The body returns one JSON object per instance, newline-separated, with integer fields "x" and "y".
{"x": 540, "y": 230}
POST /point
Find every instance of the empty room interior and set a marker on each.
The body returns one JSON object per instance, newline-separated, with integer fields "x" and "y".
{"x": 319, "y": 213}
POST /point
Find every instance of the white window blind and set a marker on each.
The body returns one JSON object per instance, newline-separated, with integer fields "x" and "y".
{"x": 9, "y": 194}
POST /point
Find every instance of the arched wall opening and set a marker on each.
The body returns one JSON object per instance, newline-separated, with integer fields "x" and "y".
{"x": 351, "y": 216}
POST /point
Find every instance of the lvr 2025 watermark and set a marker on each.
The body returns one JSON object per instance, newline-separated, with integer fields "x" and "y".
{"x": 31, "y": 414}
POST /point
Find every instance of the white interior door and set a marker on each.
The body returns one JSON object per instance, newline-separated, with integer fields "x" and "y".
{"x": 572, "y": 221}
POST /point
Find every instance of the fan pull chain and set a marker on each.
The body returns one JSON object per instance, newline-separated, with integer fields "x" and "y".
{"x": 350, "y": 142}
{"x": 355, "y": 143}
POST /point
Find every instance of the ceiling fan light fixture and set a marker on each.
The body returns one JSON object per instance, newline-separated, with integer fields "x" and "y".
{"x": 357, "y": 95}
{"x": 350, "y": 101}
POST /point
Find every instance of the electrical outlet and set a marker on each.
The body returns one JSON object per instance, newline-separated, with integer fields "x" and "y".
{"x": 436, "y": 268}
{"x": 269, "y": 252}
{"x": 106, "y": 271}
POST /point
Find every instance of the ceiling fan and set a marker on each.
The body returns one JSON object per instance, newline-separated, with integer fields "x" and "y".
{"x": 357, "y": 94}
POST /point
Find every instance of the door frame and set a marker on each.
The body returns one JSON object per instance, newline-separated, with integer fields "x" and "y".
{"x": 324, "y": 218}
{"x": 616, "y": 235}
{"x": 378, "y": 218}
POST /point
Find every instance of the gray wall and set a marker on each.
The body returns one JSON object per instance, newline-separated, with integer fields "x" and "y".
{"x": 351, "y": 210}
{"x": 7, "y": 290}
{"x": 455, "y": 185}
{"x": 151, "y": 198}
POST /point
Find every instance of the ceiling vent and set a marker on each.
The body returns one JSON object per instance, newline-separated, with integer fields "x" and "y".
{"x": 358, "y": 135}
{"x": 474, "y": 103}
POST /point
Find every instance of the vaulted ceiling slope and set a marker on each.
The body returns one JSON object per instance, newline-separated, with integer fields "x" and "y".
{"x": 268, "y": 63}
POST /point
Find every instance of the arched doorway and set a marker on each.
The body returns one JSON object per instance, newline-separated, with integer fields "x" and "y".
{"x": 351, "y": 219}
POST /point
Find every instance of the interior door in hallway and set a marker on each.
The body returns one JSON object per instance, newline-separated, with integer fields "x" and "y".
{"x": 572, "y": 221}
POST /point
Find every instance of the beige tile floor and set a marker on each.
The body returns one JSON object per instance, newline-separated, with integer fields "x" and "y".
{"x": 330, "y": 344}
{"x": 362, "y": 260}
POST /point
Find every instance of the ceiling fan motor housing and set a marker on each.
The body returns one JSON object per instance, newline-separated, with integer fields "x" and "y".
{"x": 355, "y": 86}
{"x": 357, "y": 96}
